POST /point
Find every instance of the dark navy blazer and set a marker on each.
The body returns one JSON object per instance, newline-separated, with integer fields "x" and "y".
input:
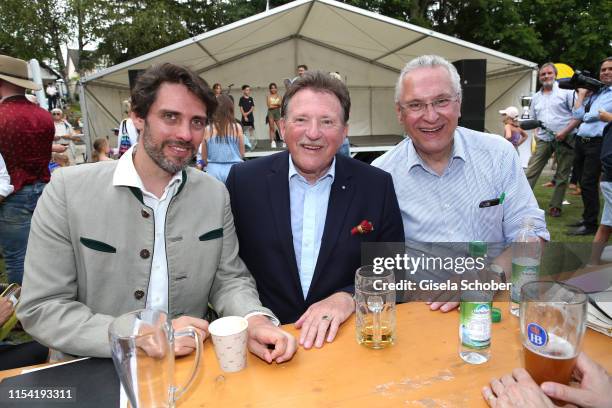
{"x": 259, "y": 193}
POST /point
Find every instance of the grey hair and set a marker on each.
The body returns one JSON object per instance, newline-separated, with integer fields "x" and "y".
{"x": 549, "y": 64}
{"x": 428, "y": 61}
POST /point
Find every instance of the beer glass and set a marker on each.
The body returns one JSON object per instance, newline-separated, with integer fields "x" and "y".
{"x": 142, "y": 347}
{"x": 375, "y": 307}
{"x": 553, "y": 321}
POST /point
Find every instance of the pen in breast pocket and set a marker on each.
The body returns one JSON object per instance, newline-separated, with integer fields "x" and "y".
{"x": 493, "y": 202}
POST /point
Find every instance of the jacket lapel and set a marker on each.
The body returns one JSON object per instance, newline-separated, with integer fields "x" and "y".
{"x": 278, "y": 189}
{"x": 340, "y": 198}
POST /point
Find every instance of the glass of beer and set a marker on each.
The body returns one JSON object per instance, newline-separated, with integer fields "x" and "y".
{"x": 553, "y": 321}
{"x": 375, "y": 307}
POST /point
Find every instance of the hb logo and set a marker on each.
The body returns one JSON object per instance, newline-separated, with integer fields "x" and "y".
{"x": 536, "y": 334}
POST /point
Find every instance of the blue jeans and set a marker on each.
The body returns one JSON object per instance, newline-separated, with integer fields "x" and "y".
{"x": 15, "y": 216}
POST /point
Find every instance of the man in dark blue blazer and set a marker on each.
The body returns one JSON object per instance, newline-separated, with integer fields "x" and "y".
{"x": 296, "y": 212}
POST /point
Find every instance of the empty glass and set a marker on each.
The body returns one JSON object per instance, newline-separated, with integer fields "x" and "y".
{"x": 375, "y": 307}
{"x": 142, "y": 347}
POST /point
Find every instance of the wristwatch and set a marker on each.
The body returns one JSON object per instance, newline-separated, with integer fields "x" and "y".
{"x": 498, "y": 272}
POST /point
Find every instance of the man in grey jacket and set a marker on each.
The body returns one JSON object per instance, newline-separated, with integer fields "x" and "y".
{"x": 144, "y": 231}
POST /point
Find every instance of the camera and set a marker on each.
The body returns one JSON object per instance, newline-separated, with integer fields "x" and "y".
{"x": 581, "y": 79}
{"x": 528, "y": 124}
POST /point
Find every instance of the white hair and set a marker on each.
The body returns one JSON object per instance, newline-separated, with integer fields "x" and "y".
{"x": 428, "y": 61}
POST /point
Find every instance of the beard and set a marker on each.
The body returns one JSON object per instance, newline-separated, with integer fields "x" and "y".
{"x": 156, "y": 152}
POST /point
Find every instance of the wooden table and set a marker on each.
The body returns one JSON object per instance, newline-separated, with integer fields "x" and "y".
{"x": 423, "y": 368}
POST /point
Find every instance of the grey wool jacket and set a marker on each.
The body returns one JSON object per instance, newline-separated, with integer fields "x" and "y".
{"x": 90, "y": 252}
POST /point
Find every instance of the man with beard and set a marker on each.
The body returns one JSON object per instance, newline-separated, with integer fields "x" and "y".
{"x": 144, "y": 231}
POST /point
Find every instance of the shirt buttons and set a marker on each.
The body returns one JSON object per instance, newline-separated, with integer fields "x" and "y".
{"x": 144, "y": 254}
{"x": 139, "y": 294}
{"x": 145, "y": 214}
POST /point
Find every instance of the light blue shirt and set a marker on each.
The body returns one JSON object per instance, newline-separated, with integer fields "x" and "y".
{"x": 591, "y": 125}
{"x": 553, "y": 109}
{"x": 308, "y": 204}
{"x": 446, "y": 208}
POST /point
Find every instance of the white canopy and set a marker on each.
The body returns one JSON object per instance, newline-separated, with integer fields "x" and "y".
{"x": 368, "y": 50}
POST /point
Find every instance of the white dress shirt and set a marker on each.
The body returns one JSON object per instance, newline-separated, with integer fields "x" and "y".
{"x": 126, "y": 175}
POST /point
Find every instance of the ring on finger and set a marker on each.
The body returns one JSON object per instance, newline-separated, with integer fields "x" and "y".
{"x": 326, "y": 317}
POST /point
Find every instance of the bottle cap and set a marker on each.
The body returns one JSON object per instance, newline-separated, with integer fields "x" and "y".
{"x": 496, "y": 315}
{"x": 477, "y": 249}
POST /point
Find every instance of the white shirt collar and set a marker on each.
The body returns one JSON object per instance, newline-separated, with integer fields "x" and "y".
{"x": 331, "y": 171}
{"x": 126, "y": 175}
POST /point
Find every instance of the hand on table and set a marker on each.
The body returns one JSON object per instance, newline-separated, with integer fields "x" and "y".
{"x": 186, "y": 345}
{"x": 263, "y": 333}
{"x": 324, "y": 317}
{"x": 516, "y": 390}
{"x": 519, "y": 389}
{"x": 443, "y": 306}
{"x": 595, "y": 385}
{"x": 6, "y": 309}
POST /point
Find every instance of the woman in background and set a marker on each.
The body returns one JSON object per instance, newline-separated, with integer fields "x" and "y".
{"x": 274, "y": 113}
{"x": 101, "y": 149}
{"x": 223, "y": 144}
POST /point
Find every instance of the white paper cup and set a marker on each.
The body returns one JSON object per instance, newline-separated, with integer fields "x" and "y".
{"x": 229, "y": 336}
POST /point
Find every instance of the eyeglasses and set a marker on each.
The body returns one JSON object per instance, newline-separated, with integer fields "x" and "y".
{"x": 436, "y": 104}
{"x": 56, "y": 114}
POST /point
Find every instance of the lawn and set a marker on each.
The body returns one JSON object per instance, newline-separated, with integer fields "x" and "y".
{"x": 571, "y": 213}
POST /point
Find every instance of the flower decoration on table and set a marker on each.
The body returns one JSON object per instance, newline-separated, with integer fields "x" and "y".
{"x": 364, "y": 227}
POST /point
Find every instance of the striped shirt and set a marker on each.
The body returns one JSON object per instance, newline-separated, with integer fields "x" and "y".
{"x": 446, "y": 208}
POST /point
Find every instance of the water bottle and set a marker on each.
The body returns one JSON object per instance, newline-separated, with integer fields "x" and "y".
{"x": 526, "y": 255}
{"x": 475, "y": 318}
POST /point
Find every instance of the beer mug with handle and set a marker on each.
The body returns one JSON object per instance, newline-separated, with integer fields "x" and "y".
{"x": 553, "y": 321}
{"x": 142, "y": 347}
{"x": 375, "y": 307}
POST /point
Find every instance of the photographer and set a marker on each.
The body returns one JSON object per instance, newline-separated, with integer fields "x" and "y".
{"x": 588, "y": 146}
{"x": 552, "y": 106}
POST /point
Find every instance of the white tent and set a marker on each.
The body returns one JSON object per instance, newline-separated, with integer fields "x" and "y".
{"x": 368, "y": 50}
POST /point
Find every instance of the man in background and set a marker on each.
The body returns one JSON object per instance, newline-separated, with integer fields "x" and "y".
{"x": 26, "y": 136}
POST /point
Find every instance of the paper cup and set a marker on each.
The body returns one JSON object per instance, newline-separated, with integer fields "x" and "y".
{"x": 229, "y": 336}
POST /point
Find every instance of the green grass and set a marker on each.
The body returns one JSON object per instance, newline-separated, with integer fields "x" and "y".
{"x": 570, "y": 213}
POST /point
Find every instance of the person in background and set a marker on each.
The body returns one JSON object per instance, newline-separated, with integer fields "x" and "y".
{"x": 217, "y": 89}
{"x": 26, "y": 138}
{"x": 274, "y": 113}
{"x": 345, "y": 148}
{"x": 101, "y": 150}
{"x": 518, "y": 390}
{"x": 589, "y": 139}
{"x": 552, "y": 106}
{"x": 223, "y": 144}
{"x": 64, "y": 134}
{"x": 512, "y": 131}
{"x": 247, "y": 106}
{"x": 6, "y": 188}
{"x": 128, "y": 134}
{"x": 51, "y": 92}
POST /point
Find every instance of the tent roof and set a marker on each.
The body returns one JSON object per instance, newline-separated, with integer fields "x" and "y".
{"x": 378, "y": 40}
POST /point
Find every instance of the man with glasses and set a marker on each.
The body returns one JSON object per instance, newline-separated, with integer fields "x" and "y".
{"x": 298, "y": 212}
{"x": 453, "y": 184}
{"x": 26, "y": 136}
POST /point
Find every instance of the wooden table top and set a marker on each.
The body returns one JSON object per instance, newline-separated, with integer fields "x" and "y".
{"x": 422, "y": 369}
